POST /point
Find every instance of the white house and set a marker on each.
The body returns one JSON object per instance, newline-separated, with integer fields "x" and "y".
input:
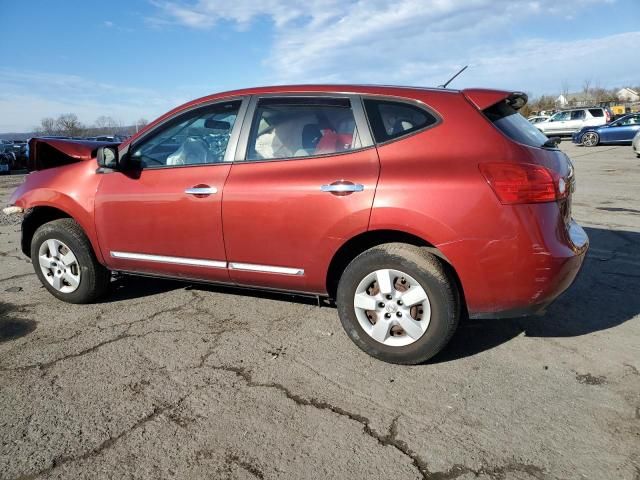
{"x": 561, "y": 101}
{"x": 628, "y": 95}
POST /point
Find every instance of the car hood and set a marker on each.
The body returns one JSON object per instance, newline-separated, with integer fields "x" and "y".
{"x": 54, "y": 152}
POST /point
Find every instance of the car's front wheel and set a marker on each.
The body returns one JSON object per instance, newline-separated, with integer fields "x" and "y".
{"x": 590, "y": 139}
{"x": 65, "y": 263}
{"x": 397, "y": 303}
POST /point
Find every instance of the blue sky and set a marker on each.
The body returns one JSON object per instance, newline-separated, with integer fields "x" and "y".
{"x": 139, "y": 58}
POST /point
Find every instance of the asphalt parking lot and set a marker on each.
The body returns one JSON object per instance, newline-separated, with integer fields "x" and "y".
{"x": 172, "y": 380}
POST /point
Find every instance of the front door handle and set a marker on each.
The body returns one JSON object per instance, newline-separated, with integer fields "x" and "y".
{"x": 201, "y": 190}
{"x": 342, "y": 187}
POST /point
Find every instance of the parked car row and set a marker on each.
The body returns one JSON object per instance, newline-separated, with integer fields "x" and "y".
{"x": 567, "y": 122}
{"x": 622, "y": 130}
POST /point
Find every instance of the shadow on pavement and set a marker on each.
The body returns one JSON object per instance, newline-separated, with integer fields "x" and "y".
{"x": 11, "y": 327}
{"x": 605, "y": 294}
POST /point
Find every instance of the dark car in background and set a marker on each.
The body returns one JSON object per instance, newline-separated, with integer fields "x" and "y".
{"x": 619, "y": 131}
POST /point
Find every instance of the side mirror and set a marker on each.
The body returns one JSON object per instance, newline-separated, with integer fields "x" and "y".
{"x": 107, "y": 157}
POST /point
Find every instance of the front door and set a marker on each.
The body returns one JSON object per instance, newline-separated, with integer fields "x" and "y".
{"x": 165, "y": 217}
{"x": 303, "y": 186}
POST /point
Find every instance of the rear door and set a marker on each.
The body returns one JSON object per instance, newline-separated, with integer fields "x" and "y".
{"x": 302, "y": 184}
{"x": 575, "y": 122}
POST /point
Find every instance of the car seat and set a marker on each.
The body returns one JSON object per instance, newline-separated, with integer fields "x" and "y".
{"x": 192, "y": 151}
{"x": 311, "y": 135}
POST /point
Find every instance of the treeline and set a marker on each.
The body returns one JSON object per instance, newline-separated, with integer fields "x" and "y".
{"x": 595, "y": 95}
{"x": 69, "y": 125}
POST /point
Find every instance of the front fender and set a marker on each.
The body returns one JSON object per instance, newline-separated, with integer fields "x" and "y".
{"x": 70, "y": 189}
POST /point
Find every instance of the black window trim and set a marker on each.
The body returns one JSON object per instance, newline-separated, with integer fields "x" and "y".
{"x": 356, "y": 105}
{"x": 409, "y": 101}
{"x": 231, "y": 145}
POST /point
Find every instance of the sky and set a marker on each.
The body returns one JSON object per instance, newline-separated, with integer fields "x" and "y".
{"x": 139, "y": 58}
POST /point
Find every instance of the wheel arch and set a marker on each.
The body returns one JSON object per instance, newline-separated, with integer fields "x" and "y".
{"x": 371, "y": 238}
{"x": 37, "y": 215}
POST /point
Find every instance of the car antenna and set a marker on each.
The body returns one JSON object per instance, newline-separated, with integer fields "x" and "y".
{"x": 444, "y": 85}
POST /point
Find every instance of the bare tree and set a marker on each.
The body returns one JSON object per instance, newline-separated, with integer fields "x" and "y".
{"x": 105, "y": 122}
{"x": 141, "y": 123}
{"x": 564, "y": 90}
{"x": 586, "y": 87}
{"x": 69, "y": 125}
{"x": 47, "y": 126}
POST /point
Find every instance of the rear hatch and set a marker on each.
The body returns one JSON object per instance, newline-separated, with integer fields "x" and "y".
{"x": 546, "y": 173}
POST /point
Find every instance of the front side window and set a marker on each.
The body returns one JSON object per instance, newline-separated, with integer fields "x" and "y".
{"x": 197, "y": 137}
{"x": 302, "y": 127}
{"x": 561, "y": 117}
{"x": 630, "y": 120}
{"x": 390, "y": 120}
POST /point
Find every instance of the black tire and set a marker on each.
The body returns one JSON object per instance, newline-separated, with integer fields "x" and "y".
{"x": 427, "y": 270}
{"x": 94, "y": 278}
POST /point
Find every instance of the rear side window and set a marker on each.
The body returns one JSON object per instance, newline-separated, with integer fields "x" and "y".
{"x": 302, "y": 127}
{"x": 596, "y": 112}
{"x": 515, "y": 126}
{"x": 390, "y": 120}
{"x": 578, "y": 115}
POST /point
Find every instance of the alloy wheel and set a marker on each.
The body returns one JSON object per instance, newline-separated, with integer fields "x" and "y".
{"x": 590, "y": 139}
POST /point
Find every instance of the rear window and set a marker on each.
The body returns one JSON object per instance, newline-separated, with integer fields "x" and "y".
{"x": 515, "y": 126}
{"x": 390, "y": 120}
{"x": 596, "y": 112}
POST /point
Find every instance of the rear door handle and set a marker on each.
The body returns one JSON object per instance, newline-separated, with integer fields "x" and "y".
{"x": 201, "y": 190}
{"x": 342, "y": 187}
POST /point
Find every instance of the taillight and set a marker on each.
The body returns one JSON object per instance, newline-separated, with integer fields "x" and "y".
{"x": 524, "y": 182}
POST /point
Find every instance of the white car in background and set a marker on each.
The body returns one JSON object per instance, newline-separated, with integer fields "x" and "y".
{"x": 635, "y": 144}
{"x": 568, "y": 121}
{"x": 538, "y": 118}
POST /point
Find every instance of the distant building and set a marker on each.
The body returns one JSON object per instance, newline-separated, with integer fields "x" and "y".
{"x": 628, "y": 95}
{"x": 561, "y": 101}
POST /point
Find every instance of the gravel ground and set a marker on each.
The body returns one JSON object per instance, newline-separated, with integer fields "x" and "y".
{"x": 171, "y": 380}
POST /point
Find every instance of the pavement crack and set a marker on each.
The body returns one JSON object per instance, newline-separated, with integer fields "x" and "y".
{"x": 86, "y": 351}
{"x": 105, "y": 445}
{"x": 245, "y": 465}
{"x": 390, "y": 439}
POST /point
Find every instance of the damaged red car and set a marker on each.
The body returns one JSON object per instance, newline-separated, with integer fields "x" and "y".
{"x": 365, "y": 195}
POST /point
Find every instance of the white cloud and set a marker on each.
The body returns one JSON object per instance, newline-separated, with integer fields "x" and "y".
{"x": 417, "y": 41}
{"x": 26, "y": 97}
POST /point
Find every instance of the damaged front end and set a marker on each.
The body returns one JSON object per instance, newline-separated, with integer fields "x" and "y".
{"x": 56, "y": 152}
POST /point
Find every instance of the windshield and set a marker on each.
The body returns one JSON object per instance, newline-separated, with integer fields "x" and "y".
{"x": 514, "y": 125}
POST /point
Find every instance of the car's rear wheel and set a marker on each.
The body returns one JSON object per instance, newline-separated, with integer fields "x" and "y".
{"x": 65, "y": 263}
{"x": 397, "y": 303}
{"x": 590, "y": 139}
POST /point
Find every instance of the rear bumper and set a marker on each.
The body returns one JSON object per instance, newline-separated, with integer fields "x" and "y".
{"x": 552, "y": 278}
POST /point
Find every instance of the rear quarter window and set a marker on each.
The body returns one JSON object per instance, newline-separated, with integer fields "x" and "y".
{"x": 596, "y": 112}
{"x": 390, "y": 120}
{"x": 506, "y": 119}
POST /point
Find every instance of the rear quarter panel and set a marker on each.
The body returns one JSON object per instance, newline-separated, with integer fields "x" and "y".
{"x": 430, "y": 186}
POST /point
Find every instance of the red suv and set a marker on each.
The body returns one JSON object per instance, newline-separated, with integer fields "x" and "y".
{"x": 411, "y": 207}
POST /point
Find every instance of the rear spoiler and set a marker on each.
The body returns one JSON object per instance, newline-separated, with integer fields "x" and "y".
{"x": 484, "y": 98}
{"x": 55, "y": 152}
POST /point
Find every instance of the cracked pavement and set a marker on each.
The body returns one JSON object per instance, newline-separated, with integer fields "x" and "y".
{"x": 174, "y": 380}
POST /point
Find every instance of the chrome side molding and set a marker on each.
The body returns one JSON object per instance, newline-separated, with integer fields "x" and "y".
{"x": 196, "y": 262}
{"x": 250, "y": 267}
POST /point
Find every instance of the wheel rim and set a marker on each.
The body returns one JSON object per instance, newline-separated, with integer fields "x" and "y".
{"x": 589, "y": 139}
{"x": 392, "y": 307}
{"x": 59, "y": 265}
